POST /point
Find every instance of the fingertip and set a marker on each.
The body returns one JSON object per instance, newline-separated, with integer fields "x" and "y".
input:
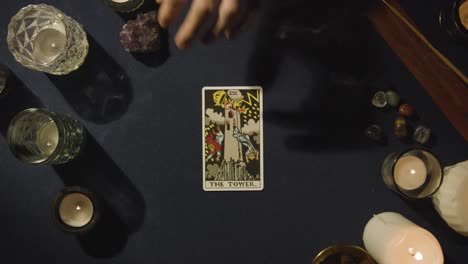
{"x": 163, "y": 21}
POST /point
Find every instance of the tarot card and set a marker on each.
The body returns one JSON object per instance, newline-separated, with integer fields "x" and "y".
{"x": 232, "y": 138}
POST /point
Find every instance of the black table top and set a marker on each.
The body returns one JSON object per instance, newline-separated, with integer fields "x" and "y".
{"x": 322, "y": 179}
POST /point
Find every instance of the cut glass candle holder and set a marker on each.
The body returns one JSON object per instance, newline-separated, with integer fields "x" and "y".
{"x": 43, "y": 38}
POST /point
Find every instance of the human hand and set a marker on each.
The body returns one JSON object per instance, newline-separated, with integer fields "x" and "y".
{"x": 233, "y": 16}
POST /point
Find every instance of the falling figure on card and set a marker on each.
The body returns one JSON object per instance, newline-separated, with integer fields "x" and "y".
{"x": 214, "y": 142}
{"x": 252, "y": 152}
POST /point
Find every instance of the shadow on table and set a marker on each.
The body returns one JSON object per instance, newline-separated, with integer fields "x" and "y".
{"x": 15, "y": 98}
{"x": 122, "y": 205}
{"x": 336, "y": 46}
{"x": 426, "y": 209}
{"x": 155, "y": 59}
{"x": 100, "y": 90}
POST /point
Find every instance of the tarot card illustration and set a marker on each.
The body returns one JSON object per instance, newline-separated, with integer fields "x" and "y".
{"x": 232, "y": 138}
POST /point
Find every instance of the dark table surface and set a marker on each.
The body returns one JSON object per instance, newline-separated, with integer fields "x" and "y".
{"x": 322, "y": 180}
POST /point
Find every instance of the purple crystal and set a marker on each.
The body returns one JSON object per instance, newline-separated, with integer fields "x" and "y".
{"x": 142, "y": 35}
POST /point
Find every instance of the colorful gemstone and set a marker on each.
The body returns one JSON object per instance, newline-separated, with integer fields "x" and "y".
{"x": 400, "y": 129}
{"x": 374, "y": 132}
{"x": 422, "y": 134}
{"x": 406, "y": 110}
{"x": 393, "y": 98}
{"x": 380, "y": 99}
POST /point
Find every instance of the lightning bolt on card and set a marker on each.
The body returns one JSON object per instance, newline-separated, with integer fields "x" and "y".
{"x": 232, "y": 139}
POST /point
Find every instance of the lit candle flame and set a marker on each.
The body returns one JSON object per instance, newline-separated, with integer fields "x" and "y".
{"x": 416, "y": 254}
{"x": 412, "y": 171}
{"x": 78, "y": 208}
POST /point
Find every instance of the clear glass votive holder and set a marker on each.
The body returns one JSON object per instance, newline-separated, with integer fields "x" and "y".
{"x": 413, "y": 174}
{"x": 75, "y": 210}
{"x": 339, "y": 254}
{"x": 37, "y": 136}
{"x": 43, "y": 38}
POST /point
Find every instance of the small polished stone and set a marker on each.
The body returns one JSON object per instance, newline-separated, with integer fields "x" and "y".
{"x": 374, "y": 132}
{"x": 393, "y": 98}
{"x": 400, "y": 129}
{"x": 400, "y": 121}
{"x": 380, "y": 99}
{"x": 422, "y": 134}
{"x": 406, "y": 110}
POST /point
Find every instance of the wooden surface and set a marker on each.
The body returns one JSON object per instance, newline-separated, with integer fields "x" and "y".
{"x": 448, "y": 90}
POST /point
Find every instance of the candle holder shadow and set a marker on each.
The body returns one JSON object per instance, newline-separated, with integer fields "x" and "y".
{"x": 122, "y": 205}
{"x": 340, "y": 55}
{"x": 425, "y": 208}
{"x": 100, "y": 90}
{"x": 15, "y": 98}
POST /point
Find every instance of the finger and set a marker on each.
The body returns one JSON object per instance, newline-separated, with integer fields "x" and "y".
{"x": 169, "y": 11}
{"x": 227, "y": 12}
{"x": 198, "y": 13}
{"x": 246, "y": 21}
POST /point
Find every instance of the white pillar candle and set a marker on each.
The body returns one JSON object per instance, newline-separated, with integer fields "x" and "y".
{"x": 410, "y": 173}
{"x": 47, "y": 138}
{"x": 76, "y": 210}
{"x": 390, "y": 238}
{"x": 451, "y": 200}
{"x": 49, "y": 43}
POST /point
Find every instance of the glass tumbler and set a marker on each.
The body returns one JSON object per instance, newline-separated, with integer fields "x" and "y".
{"x": 43, "y": 38}
{"x": 38, "y": 136}
{"x": 414, "y": 174}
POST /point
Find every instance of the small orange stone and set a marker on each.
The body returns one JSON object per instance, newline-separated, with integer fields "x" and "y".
{"x": 406, "y": 110}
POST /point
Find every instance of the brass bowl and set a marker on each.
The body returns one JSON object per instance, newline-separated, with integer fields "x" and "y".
{"x": 343, "y": 254}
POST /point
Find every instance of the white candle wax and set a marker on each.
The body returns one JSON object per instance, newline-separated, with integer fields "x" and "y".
{"x": 410, "y": 172}
{"x": 451, "y": 200}
{"x": 392, "y": 239}
{"x": 76, "y": 210}
{"x": 120, "y": 1}
{"x": 49, "y": 43}
{"x": 47, "y": 138}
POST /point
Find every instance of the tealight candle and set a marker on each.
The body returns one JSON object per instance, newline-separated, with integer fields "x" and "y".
{"x": 38, "y": 136}
{"x": 125, "y": 6}
{"x": 414, "y": 174}
{"x": 49, "y": 43}
{"x": 48, "y": 137}
{"x": 463, "y": 14}
{"x": 76, "y": 210}
{"x": 410, "y": 172}
{"x": 390, "y": 238}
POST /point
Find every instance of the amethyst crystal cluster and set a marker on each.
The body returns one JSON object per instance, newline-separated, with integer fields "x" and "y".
{"x": 143, "y": 34}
